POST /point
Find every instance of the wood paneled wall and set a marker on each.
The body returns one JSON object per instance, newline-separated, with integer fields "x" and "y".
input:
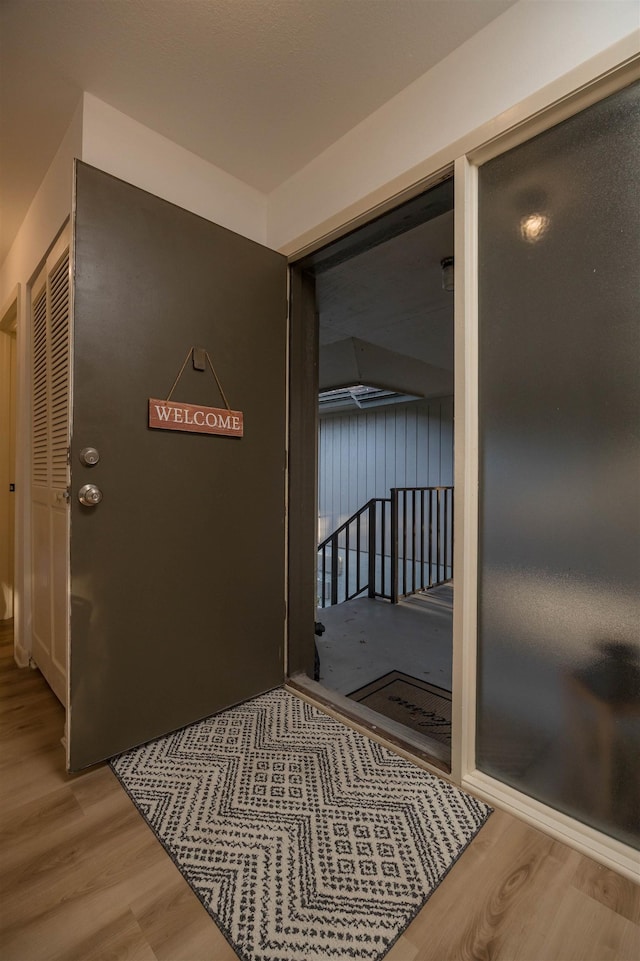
{"x": 362, "y": 454}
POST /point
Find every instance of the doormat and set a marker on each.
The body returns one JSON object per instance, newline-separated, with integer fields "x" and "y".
{"x": 410, "y": 701}
{"x": 302, "y": 838}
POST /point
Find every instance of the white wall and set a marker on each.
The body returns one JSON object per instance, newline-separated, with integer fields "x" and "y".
{"x": 362, "y": 454}
{"x": 48, "y": 210}
{"x": 531, "y": 45}
{"x": 110, "y": 140}
{"x": 127, "y": 149}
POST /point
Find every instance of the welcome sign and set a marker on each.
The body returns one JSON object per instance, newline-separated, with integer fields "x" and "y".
{"x": 169, "y": 415}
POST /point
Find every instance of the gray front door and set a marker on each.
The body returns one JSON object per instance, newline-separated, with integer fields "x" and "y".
{"x": 177, "y": 575}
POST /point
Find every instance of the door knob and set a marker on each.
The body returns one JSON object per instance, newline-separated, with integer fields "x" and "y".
{"x": 89, "y": 495}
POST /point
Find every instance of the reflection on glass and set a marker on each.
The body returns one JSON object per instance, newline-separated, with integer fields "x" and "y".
{"x": 559, "y": 593}
{"x": 603, "y": 714}
{"x": 533, "y": 227}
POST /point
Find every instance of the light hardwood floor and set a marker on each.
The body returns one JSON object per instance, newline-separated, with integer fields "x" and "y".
{"x": 82, "y": 878}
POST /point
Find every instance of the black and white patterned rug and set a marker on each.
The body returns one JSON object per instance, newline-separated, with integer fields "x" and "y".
{"x": 303, "y": 839}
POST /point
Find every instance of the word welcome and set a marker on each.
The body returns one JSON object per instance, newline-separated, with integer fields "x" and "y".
{"x": 190, "y": 417}
{"x": 434, "y": 719}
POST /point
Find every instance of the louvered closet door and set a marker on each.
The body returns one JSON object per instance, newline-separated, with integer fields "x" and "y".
{"x": 50, "y": 470}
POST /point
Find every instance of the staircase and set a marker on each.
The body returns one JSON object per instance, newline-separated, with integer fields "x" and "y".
{"x": 390, "y": 548}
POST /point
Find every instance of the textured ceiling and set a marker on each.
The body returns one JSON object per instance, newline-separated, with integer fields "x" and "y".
{"x": 392, "y": 296}
{"x": 257, "y": 87}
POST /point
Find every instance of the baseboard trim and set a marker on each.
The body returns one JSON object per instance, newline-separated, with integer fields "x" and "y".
{"x": 608, "y": 851}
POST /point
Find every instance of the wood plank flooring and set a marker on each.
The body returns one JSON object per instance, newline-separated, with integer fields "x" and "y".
{"x": 82, "y": 878}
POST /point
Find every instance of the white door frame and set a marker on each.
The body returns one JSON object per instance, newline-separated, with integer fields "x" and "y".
{"x": 22, "y": 555}
{"x": 8, "y": 332}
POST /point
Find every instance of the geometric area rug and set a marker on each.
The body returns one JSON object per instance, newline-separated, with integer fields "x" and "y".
{"x": 303, "y": 839}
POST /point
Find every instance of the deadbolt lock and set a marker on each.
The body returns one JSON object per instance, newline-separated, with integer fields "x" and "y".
{"x": 89, "y": 495}
{"x": 89, "y": 456}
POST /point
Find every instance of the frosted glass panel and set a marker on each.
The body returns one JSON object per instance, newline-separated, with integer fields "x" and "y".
{"x": 559, "y": 609}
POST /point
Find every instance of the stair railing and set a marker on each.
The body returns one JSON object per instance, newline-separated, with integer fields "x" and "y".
{"x": 347, "y": 557}
{"x": 422, "y": 539}
{"x": 391, "y": 547}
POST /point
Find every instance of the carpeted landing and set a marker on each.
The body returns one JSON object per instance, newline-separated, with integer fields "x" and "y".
{"x": 303, "y": 839}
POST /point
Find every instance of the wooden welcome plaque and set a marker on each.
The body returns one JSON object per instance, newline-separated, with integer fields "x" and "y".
{"x": 170, "y": 415}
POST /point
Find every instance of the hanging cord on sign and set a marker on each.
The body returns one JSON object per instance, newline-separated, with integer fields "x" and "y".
{"x": 186, "y": 361}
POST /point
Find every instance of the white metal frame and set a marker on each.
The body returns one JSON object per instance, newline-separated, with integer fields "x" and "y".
{"x": 609, "y": 71}
{"x": 465, "y": 439}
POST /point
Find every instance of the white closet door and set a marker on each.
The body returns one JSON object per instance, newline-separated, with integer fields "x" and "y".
{"x": 50, "y": 468}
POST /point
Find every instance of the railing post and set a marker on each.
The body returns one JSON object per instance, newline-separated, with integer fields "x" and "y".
{"x": 394, "y": 545}
{"x": 346, "y": 562}
{"x": 438, "y": 533}
{"x": 372, "y": 548}
{"x": 358, "y": 542}
{"x": 334, "y": 571}
{"x": 453, "y": 500}
{"x": 445, "y": 536}
{"x": 413, "y": 542}
{"x": 422, "y": 584}
{"x": 436, "y": 525}
{"x": 430, "y": 537}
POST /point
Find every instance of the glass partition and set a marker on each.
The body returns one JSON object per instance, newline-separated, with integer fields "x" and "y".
{"x": 559, "y": 610}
